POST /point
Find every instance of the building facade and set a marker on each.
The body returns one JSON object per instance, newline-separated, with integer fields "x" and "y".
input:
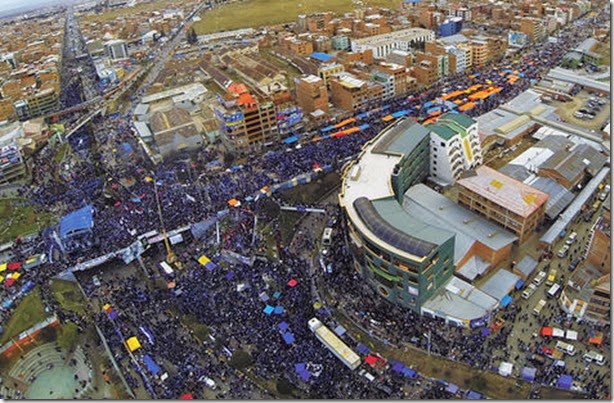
{"x": 311, "y": 93}
{"x": 512, "y": 204}
{"x": 350, "y": 93}
{"x": 402, "y": 258}
{"x": 383, "y": 44}
{"x": 455, "y": 147}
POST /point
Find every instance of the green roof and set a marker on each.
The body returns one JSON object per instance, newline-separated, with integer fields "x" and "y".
{"x": 391, "y": 211}
{"x": 401, "y": 137}
{"x": 463, "y": 120}
{"x": 442, "y": 131}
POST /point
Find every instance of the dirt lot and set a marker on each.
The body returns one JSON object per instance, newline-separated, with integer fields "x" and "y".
{"x": 567, "y": 109}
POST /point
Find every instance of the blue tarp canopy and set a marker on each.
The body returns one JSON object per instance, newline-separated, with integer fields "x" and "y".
{"x": 364, "y": 126}
{"x": 268, "y": 309}
{"x": 506, "y": 301}
{"x": 279, "y": 310}
{"x": 409, "y": 373}
{"x": 528, "y": 374}
{"x": 362, "y": 348}
{"x": 519, "y": 284}
{"x": 321, "y": 56}
{"x": 362, "y": 115}
{"x": 288, "y": 338}
{"x": 564, "y": 382}
{"x": 283, "y": 326}
{"x": 400, "y": 113}
{"x": 230, "y": 275}
{"x": 125, "y": 149}
{"x": 300, "y": 367}
{"x": 398, "y": 367}
{"x": 77, "y": 221}
{"x": 339, "y": 330}
{"x": 472, "y": 395}
{"x": 290, "y": 140}
{"x": 276, "y": 294}
{"x": 485, "y": 331}
{"x": 151, "y": 365}
{"x": 327, "y": 129}
{"x": 452, "y": 388}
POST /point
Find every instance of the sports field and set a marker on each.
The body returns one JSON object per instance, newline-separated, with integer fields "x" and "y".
{"x": 256, "y": 13}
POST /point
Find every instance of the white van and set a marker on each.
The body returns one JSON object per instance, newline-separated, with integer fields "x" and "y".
{"x": 327, "y": 236}
{"x": 539, "y": 279}
{"x": 554, "y": 291}
{"x": 538, "y": 308}
{"x": 593, "y": 356}
{"x": 563, "y": 251}
{"x": 530, "y": 290}
{"x": 567, "y": 348}
{"x": 572, "y": 238}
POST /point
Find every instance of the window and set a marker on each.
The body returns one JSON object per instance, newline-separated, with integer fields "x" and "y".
{"x": 442, "y": 144}
{"x": 384, "y": 291}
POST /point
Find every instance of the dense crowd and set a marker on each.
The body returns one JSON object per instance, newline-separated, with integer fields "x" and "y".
{"x": 108, "y": 169}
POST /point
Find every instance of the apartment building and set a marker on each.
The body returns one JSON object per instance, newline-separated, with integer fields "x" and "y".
{"x": 246, "y": 123}
{"x": 350, "y": 93}
{"x": 395, "y": 79}
{"x": 383, "y": 44}
{"x": 326, "y": 71}
{"x": 533, "y": 27}
{"x": 510, "y": 203}
{"x": 455, "y": 147}
{"x": 311, "y": 93}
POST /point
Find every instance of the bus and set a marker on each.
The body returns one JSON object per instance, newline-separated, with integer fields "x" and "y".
{"x": 538, "y": 308}
{"x": 166, "y": 268}
{"x": 334, "y": 344}
{"x": 554, "y": 290}
{"x": 327, "y": 236}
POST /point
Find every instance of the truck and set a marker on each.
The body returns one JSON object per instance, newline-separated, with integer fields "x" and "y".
{"x": 538, "y": 308}
{"x": 334, "y": 344}
{"x": 566, "y": 348}
{"x": 593, "y": 356}
{"x": 551, "y": 277}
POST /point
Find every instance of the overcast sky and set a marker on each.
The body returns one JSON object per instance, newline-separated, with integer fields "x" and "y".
{"x": 7, "y": 6}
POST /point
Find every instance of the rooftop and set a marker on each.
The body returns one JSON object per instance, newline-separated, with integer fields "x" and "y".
{"x": 469, "y": 227}
{"x": 191, "y": 90}
{"x": 502, "y": 190}
{"x": 369, "y": 176}
{"x": 321, "y": 56}
{"x": 395, "y": 36}
{"x": 460, "y": 300}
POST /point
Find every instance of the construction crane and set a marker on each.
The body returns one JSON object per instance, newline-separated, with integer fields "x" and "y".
{"x": 170, "y": 255}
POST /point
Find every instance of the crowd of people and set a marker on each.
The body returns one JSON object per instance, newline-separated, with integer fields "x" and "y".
{"x": 107, "y": 168}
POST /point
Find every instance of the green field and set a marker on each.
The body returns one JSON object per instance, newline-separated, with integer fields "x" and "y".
{"x": 20, "y": 220}
{"x": 68, "y": 296}
{"x": 29, "y": 312}
{"x": 141, "y": 8}
{"x": 256, "y": 13}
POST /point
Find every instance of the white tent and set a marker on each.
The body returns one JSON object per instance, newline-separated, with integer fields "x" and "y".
{"x": 505, "y": 369}
{"x": 571, "y": 335}
{"x": 556, "y": 332}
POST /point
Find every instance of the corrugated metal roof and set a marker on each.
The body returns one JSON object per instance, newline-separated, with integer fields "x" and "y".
{"x": 559, "y": 198}
{"x": 526, "y": 266}
{"x": 401, "y": 137}
{"x": 459, "y": 299}
{"x": 500, "y": 284}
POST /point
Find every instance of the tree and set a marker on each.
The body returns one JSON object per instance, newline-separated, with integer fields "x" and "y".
{"x": 241, "y": 360}
{"x": 284, "y": 386}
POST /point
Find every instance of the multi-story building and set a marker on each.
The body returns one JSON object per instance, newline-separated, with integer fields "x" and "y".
{"x": 340, "y": 42}
{"x": 311, "y": 93}
{"x": 533, "y": 27}
{"x": 455, "y": 147}
{"x": 395, "y": 79}
{"x": 326, "y": 71}
{"x": 349, "y": 59}
{"x": 512, "y": 204}
{"x": 37, "y": 103}
{"x": 298, "y": 46}
{"x": 383, "y": 44}
{"x": 246, "y": 123}
{"x": 451, "y": 26}
{"x": 405, "y": 260}
{"x": 425, "y": 72}
{"x": 401, "y": 57}
{"x": 462, "y": 12}
{"x": 117, "y": 49}
{"x": 13, "y": 167}
{"x": 350, "y": 93}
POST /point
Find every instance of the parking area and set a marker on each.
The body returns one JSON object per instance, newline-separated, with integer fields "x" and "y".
{"x": 579, "y": 111}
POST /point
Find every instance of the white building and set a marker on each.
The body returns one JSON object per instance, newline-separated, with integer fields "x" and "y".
{"x": 383, "y": 44}
{"x": 463, "y": 57}
{"x": 455, "y": 147}
{"x": 117, "y": 49}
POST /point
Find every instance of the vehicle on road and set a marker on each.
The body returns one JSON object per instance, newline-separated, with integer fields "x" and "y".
{"x": 563, "y": 251}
